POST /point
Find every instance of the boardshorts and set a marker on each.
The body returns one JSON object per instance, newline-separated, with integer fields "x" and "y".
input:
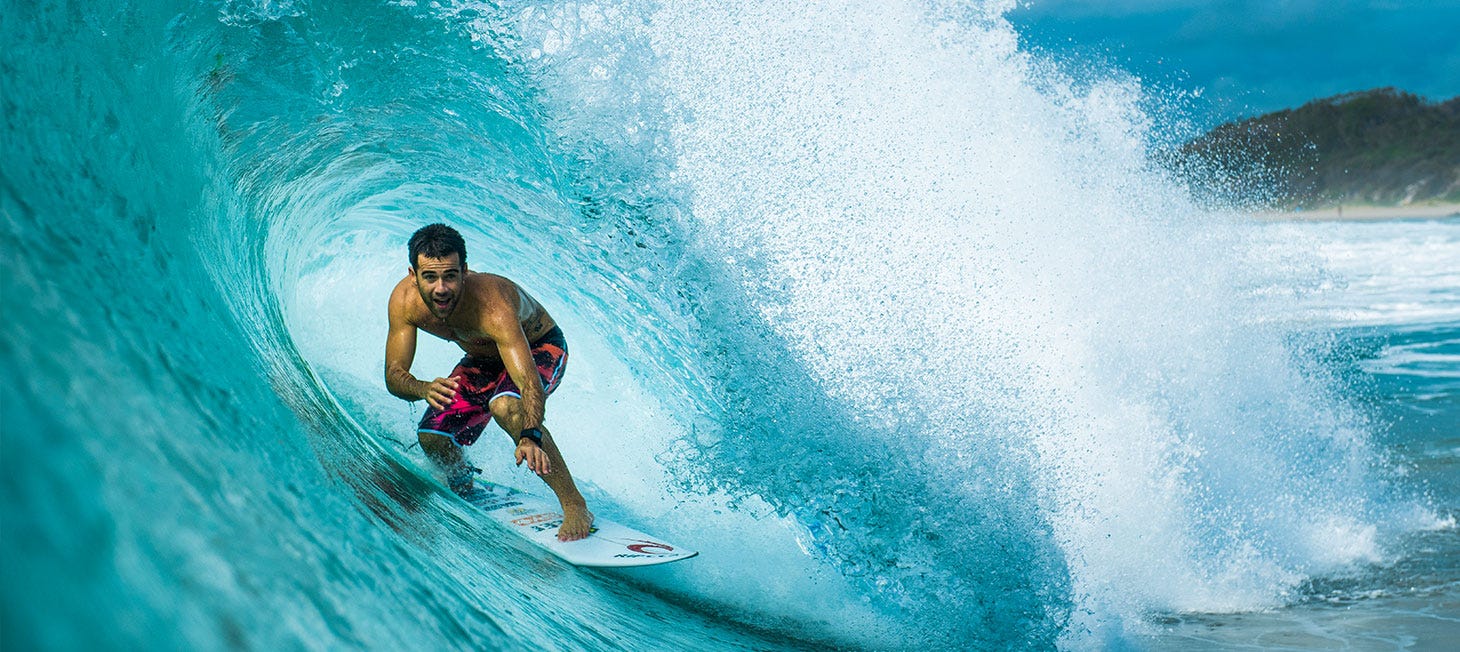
{"x": 483, "y": 380}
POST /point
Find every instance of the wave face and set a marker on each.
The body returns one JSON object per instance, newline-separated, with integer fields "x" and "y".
{"x": 889, "y": 319}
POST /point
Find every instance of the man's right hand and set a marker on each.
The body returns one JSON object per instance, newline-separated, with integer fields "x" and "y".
{"x": 441, "y": 392}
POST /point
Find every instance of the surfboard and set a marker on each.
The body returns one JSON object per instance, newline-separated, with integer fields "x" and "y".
{"x": 609, "y": 545}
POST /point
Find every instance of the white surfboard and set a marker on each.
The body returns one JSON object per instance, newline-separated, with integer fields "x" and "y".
{"x": 538, "y": 519}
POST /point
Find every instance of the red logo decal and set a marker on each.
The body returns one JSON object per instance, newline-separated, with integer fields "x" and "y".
{"x": 642, "y": 547}
{"x": 534, "y": 519}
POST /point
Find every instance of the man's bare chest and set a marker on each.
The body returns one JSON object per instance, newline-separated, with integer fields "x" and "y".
{"x": 476, "y": 344}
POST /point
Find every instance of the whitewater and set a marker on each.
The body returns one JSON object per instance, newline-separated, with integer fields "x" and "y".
{"x": 905, "y": 329}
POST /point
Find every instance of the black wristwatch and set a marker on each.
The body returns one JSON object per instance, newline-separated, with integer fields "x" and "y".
{"x": 531, "y": 433}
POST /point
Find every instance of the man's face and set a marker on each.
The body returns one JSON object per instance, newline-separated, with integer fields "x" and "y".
{"x": 439, "y": 282}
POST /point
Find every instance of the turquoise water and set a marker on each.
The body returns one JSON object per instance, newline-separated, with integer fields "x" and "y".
{"x": 897, "y": 326}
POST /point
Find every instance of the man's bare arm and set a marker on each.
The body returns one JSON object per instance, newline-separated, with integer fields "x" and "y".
{"x": 400, "y": 352}
{"x": 516, "y": 355}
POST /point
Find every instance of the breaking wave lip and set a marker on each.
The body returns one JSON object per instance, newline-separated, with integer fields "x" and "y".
{"x": 843, "y": 192}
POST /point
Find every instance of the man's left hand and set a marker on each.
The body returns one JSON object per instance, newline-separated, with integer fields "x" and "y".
{"x": 534, "y": 455}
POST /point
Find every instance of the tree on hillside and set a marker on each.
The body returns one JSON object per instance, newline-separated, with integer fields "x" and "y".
{"x": 1384, "y": 147}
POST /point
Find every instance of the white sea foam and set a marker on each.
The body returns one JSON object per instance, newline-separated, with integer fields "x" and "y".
{"x": 889, "y": 179}
{"x": 1394, "y": 273}
{"x": 892, "y": 171}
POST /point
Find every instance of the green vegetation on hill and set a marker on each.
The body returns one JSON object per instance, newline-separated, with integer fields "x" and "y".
{"x": 1378, "y": 147}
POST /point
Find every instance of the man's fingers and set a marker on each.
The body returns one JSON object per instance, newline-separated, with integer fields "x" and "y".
{"x": 441, "y": 393}
{"x": 444, "y": 391}
{"x": 536, "y": 458}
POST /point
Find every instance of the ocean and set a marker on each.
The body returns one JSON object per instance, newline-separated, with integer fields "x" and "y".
{"x": 902, "y": 327}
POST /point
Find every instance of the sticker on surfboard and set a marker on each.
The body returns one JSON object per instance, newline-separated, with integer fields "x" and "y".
{"x": 608, "y": 545}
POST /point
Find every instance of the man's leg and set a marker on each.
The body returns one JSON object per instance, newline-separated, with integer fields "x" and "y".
{"x": 446, "y": 454}
{"x": 577, "y": 520}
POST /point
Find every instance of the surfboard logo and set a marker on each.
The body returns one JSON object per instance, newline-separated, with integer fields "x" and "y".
{"x": 648, "y": 547}
{"x": 534, "y": 519}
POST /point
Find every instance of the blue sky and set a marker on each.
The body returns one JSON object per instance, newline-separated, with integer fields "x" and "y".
{"x": 1247, "y": 57}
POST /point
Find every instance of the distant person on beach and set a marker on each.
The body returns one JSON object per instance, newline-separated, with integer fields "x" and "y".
{"x": 515, "y": 356}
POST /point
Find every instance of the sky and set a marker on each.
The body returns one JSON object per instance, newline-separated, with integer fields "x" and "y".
{"x": 1238, "y": 58}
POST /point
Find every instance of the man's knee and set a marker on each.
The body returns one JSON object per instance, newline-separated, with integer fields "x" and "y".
{"x": 507, "y": 410}
{"x": 436, "y": 445}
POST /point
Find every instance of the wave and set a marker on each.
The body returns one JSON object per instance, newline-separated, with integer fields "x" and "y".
{"x": 888, "y": 318}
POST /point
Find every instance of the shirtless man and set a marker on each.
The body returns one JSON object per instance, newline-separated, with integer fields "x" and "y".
{"x": 515, "y": 356}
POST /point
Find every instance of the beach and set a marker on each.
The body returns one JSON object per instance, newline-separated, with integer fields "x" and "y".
{"x": 1360, "y": 212}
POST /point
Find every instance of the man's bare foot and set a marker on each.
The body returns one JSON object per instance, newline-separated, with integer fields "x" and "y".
{"x": 577, "y": 523}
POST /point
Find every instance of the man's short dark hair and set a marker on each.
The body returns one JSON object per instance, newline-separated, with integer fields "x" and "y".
{"x": 437, "y": 241}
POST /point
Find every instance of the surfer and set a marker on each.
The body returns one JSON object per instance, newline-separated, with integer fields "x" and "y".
{"x": 515, "y": 355}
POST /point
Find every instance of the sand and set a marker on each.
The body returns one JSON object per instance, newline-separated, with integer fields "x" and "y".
{"x": 1360, "y": 212}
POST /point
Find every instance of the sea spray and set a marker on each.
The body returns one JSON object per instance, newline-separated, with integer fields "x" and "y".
{"x": 965, "y": 297}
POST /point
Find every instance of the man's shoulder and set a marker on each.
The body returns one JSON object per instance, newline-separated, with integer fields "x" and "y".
{"x": 401, "y": 290}
{"x": 489, "y": 279}
{"x": 491, "y": 284}
{"x": 401, "y": 296}
{"x": 495, "y": 300}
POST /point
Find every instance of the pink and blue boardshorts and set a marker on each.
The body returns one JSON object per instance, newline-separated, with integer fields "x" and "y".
{"x": 483, "y": 380}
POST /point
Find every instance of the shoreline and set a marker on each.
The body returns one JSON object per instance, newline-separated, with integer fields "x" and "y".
{"x": 1361, "y": 213}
